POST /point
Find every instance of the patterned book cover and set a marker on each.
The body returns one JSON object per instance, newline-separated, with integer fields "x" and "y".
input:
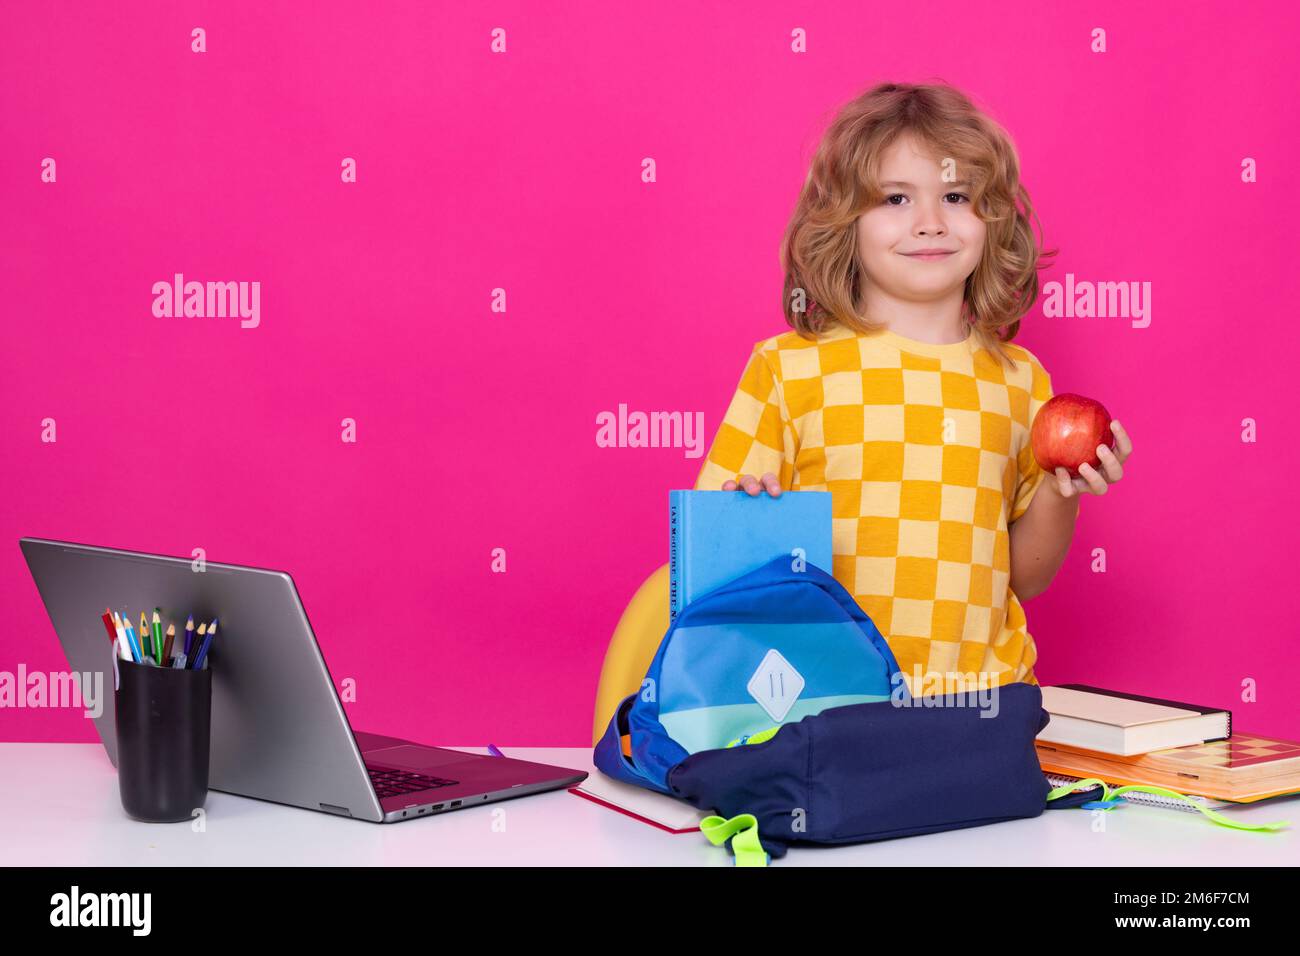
{"x": 1241, "y": 755}
{"x": 1243, "y": 768}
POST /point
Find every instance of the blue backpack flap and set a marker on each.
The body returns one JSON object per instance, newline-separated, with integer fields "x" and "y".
{"x": 773, "y": 646}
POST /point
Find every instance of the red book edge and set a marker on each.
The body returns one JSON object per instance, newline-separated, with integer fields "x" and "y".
{"x": 635, "y": 816}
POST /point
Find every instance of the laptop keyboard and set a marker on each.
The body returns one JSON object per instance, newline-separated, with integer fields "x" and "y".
{"x": 392, "y": 783}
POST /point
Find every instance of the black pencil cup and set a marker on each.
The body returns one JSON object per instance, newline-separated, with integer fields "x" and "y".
{"x": 164, "y": 716}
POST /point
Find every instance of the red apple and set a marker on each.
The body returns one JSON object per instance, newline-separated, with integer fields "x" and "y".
{"x": 1066, "y": 432}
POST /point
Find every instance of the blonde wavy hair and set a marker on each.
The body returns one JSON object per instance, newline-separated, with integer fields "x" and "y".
{"x": 819, "y": 249}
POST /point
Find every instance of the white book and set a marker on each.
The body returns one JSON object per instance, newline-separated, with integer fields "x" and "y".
{"x": 647, "y": 805}
{"x": 1126, "y": 725}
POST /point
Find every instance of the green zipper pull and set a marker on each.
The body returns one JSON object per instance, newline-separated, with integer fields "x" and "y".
{"x": 1107, "y": 794}
{"x": 742, "y": 830}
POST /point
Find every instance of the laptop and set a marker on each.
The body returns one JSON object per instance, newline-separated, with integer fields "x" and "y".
{"x": 279, "y": 731}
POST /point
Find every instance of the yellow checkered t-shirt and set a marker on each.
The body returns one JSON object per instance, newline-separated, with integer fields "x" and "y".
{"x": 925, "y": 451}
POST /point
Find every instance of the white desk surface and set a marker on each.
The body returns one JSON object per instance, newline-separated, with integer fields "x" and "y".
{"x": 59, "y": 806}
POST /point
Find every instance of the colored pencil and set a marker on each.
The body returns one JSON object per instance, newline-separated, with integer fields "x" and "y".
{"x": 199, "y": 638}
{"x": 189, "y": 636}
{"x": 124, "y": 648}
{"x": 202, "y": 655}
{"x": 157, "y": 634}
{"x": 137, "y": 654}
{"x": 167, "y": 645}
{"x": 108, "y": 624}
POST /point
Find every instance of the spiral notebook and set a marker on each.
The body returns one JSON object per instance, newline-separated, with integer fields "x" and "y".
{"x": 1150, "y": 799}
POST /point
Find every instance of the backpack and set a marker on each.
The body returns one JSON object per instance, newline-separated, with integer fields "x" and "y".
{"x": 775, "y": 701}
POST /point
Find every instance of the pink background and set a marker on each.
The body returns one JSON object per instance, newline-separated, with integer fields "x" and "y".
{"x": 522, "y": 171}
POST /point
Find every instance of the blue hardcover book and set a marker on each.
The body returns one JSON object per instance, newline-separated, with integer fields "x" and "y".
{"x": 716, "y": 536}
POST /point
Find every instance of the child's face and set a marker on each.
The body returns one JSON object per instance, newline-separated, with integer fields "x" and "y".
{"x": 928, "y": 213}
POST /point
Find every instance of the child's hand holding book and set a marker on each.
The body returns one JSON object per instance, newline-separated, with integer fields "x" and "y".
{"x": 753, "y": 486}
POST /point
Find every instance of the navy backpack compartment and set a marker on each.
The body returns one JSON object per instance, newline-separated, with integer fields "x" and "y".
{"x": 880, "y": 770}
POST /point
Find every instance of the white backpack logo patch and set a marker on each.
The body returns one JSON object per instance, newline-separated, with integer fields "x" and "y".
{"x": 776, "y": 685}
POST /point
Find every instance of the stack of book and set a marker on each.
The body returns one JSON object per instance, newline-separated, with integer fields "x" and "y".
{"x": 1129, "y": 739}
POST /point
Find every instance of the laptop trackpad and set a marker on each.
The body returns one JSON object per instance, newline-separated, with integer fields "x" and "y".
{"x": 415, "y": 757}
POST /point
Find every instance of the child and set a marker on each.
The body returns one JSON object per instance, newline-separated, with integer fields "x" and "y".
{"x": 908, "y": 265}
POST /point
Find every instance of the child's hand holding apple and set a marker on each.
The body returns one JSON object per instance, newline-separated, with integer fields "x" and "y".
{"x": 1073, "y": 437}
